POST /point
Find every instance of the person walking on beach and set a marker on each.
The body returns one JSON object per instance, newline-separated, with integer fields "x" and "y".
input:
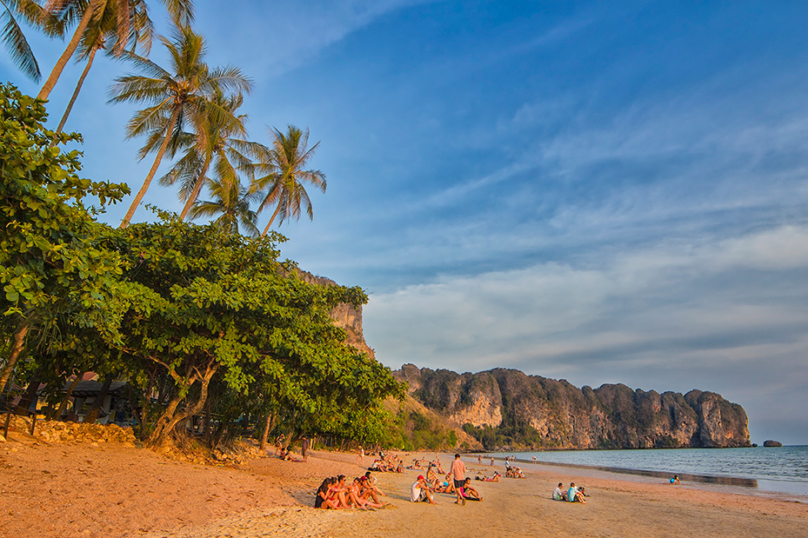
{"x": 361, "y": 457}
{"x": 492, "y": 461}
{"x": 458, "y": 472}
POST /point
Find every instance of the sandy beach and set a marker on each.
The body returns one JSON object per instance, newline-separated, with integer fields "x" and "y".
{"x": 108, "y": 490}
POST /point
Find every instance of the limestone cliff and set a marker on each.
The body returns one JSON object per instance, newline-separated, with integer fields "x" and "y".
{"x": 345, "y": 315}
{"x": 507, "y": 409}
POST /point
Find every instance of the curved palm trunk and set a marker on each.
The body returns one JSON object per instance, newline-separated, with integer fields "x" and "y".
{"x": 53, "y": 78}
{"x": 275, "y": 214}
{"x": 197, "y": 188}
{"x": 76, "y": 93}
{"x": 142, "y": 192}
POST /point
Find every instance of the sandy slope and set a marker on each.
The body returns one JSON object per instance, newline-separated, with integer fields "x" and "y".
{"x": 71, "y": 490}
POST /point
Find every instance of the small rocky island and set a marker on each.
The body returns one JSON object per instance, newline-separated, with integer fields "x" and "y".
{"x": 772, "y": 444}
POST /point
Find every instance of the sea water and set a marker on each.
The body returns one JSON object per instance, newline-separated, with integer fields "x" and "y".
{"x": 783, "y": 469}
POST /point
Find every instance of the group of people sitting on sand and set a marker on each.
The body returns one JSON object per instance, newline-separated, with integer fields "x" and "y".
{"x": 512, "y": 471}
{"x": 573, "y": 494}
{"x": 493, "y": 478}
{"x": 424, "y": 491}
{"x": 336, "y": 493}
{"x": 387, "y": 463}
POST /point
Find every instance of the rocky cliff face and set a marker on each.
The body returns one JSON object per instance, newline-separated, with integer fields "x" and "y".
{"x": 539, "y": 412}
{"x": 345, "y": 316}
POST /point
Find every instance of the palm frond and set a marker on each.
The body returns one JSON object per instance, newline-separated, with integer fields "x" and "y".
{"x": 18, "y": 47}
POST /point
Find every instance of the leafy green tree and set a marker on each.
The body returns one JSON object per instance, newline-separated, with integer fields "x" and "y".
{"x": 219, "y": 306}
{"x": 283, "y": 185}
{"x": 180, "y": 95}
{"x": 51, "y": 265}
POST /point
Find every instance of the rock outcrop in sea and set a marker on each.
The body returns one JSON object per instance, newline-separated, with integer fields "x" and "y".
{"x": 508, "y": 409}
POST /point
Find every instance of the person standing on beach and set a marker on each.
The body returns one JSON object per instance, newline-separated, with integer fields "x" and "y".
{"x": 458, "y": 472}
{"x": 304, "y": 449}
{"x": 492, "y": 461}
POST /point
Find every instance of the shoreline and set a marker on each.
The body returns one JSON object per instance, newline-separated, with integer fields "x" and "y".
{"x": 95, "y": 490}
{"x": 755, "y": 485}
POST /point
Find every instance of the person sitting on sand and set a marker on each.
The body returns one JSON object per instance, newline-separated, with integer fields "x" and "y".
{"x": 571, "y": 492}
{"x": 579, "y": 497}
{"x": 574, "y": 495}
{"x": 420, "y": 491}
{"x": 470, "y": 493}
{"x": 321, "y": 499}
{"x": 368, "y": 491}
{"x": 363, "y": 495}
{"x": 675, "y": 480}
{"x": 558, "y": 493}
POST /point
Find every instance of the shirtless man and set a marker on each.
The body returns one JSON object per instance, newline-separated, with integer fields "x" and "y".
{"x": 458, "y": 472}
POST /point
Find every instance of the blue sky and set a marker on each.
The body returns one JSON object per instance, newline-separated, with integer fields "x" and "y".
{"x": 597, "y": 191}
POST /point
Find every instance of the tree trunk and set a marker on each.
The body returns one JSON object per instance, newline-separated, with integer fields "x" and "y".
{"x": 68, "y": 393}
{"x": 92, "y": 415}
{"x": 197, "y": 188}
{"x": 75, "y": 94}
{"x": 137, "y": 416}
{"x": 170, "y": 418}
{"x": 29, "y": 396}
{"x": 275, "y": 214}
{"x": 146, "y": 182}
{"x": 44, "y": 93}
{"x": 268, "y": 427}
{"x": 206, "y": 435}
{"x": 16, "y": 351}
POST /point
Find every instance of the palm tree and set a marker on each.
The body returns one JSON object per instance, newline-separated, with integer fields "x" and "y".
{"x": 284, "y": 182}
{"x": 176, "y": 97}
{"x": 84, "y": 12}
{"x": 231, "y": 201}
{"x": 103, "y": 31}
{"x": 215, "y": 143}
{"x": 15, "y": 40}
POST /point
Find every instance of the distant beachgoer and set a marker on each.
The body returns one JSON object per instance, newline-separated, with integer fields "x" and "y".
{"x": 458, "y": 472}
{"x": 571, "y": 492}
{"x": 361, "y": 457}
{"x": 304, "y": 449}
{"x": 420, "y": 491}
{"x": 534, "y": 459}
{"x": 492, "y": 461}
{"x": 559, "y": 494}
{"x": 675, "y": 480}
{"x": 479, "y": 459}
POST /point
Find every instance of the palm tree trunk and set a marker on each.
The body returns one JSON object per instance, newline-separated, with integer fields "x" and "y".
{"x": 275, "y": 214}
{"x": 75, "y": 93}
{"x": 142, "y": 192}
{"x": 16, "y": 351}
{"x": 44, "y": 93}
{"x": 197, "y": 188}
